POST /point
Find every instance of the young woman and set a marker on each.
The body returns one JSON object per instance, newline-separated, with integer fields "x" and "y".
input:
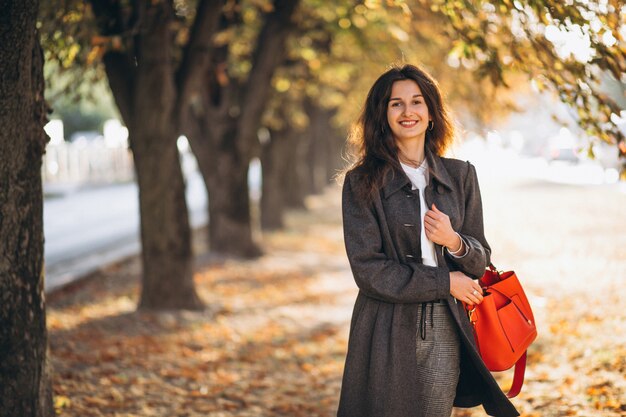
{"x": 413, "y": 229}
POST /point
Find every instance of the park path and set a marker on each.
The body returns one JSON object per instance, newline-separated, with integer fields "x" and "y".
{"x": 273, "y": 340}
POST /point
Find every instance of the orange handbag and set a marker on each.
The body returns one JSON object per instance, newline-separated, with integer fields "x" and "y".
{"x": 504, "y": 325}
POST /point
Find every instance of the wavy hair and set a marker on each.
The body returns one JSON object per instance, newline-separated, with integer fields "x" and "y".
{"x": 373, "y": 147}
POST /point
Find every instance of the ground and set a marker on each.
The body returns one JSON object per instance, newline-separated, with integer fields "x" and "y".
{"x": 273, "y": 338}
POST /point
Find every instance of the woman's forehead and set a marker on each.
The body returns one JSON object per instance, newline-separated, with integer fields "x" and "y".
{"x": 405, "y": 88}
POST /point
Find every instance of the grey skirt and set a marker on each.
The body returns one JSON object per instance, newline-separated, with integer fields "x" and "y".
{"x": 438, "y": 359}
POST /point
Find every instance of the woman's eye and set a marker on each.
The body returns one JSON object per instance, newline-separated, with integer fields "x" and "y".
{"x": 417, "y": 102}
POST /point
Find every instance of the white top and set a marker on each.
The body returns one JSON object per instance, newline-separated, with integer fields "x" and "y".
{"x": 419, "y": 180}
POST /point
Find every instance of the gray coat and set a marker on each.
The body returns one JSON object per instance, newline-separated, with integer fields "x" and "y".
{"x": 383, "y": 244}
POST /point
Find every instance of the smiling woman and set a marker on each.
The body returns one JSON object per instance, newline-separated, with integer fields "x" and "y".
{"x": 413, "y": 230}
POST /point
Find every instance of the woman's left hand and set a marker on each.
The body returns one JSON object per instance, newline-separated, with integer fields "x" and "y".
{"x": 439, "y": 230}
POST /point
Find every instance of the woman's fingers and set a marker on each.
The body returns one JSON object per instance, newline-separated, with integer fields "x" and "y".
{"x": 437, "y": 227}
{"x": 476, "y": 295}
{"x": 465, "y": 289}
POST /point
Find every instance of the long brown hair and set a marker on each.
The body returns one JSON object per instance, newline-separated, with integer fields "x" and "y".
{"x": 372, "y": 144}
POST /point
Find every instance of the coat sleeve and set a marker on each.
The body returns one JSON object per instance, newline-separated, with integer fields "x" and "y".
{"x": 472, "y": 232}
{"x": 377, "y": 275}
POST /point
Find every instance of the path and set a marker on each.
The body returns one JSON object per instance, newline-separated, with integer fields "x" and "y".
{"x": 273, "y": 341}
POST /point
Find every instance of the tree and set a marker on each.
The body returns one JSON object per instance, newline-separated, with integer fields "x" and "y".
{"x": 226, "y": 114}
{"x": 150, "y": 71}
{"x": 141, "y": 74}
{"x": 24, "y": 383}
{"x": 500, "y": 38}
{"x": 183, "y": 56}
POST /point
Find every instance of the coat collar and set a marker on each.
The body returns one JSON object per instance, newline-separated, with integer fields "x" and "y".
{"x": 396, "y": 179}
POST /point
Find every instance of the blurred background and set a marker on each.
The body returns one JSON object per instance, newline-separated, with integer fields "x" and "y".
{"x": 194, "y": 261}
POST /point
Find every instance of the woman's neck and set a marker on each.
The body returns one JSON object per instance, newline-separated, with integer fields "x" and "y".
{"x": 411, "y": 153}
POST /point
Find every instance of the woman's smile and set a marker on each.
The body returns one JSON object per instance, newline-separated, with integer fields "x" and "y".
{"x": 407, "y": 112}
{"x": 408, "y": 123}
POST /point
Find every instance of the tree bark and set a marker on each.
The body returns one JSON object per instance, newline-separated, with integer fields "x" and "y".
{"x": 274, "y": 157}
{"x": 335, "y": 140}
{"x": 296, "y": 176}
{"x": 146, "y": 95}
{"x": 324, "y": 149}
{"x": 24, "y": 383}
{"x": 230, "y": 223}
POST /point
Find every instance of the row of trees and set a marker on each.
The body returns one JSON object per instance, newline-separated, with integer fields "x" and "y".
{"x": 244, "y": 79}
{"x": 218, "y": 71}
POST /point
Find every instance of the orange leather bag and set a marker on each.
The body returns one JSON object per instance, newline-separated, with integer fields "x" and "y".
{"x": 504, "y": 325}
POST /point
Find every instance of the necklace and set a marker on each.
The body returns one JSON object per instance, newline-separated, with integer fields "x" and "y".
{"x": 410, "y": 162}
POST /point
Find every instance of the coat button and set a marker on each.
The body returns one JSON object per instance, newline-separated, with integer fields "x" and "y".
{"x": 408, "y": 225}
{"x": 410, "y": 256}
{"x": 409, "y": 196}
{"x": 439, "y": 189}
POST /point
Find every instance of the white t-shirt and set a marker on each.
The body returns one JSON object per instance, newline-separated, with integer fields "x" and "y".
{"x": 419, "y": 180}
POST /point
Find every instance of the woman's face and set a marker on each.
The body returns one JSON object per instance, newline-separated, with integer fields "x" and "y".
{"x": 407, "y": 112}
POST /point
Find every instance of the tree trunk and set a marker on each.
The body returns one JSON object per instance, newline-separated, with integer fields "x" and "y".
{"x": 324, "y": 148}
{"x": 335, "y": 141}
{"x": 309, "y": 161}
{"x": 224, "y": 169}
{"x": 274, "y": 157}
{"x": 167, "y": 281}
{"x": 148, "y": 93}
{"x": 230, "y": 223}
{"x": 296, "y": 172}
{"x": 24, "y": 383}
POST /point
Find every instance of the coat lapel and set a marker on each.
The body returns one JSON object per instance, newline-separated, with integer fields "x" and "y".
{"x": 393, "y": 181}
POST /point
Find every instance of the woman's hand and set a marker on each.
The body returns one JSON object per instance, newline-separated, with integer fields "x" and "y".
{"x": 465, "y": 289}
{"x": 439, "y": 230}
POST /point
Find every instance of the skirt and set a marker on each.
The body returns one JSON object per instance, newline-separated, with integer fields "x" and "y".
{"x": 438, "y": 359}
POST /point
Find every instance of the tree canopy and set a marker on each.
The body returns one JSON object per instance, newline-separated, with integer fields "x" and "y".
{"x": 480, "y": 47}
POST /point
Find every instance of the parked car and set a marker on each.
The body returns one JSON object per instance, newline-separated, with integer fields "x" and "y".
{"x": 565, "y": 155}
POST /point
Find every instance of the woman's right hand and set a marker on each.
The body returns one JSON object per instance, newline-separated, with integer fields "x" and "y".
{"x": 465, "y": 289}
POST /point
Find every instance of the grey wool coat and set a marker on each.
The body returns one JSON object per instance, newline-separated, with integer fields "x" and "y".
{"x": 383, "y": 245}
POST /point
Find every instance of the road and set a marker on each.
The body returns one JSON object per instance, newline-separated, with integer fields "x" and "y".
{"x": 88, "y": 228}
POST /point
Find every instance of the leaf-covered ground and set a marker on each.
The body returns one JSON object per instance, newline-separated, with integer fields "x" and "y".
{"x": 273, "y": 338}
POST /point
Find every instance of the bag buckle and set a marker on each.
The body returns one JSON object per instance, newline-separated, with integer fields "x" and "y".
{"x": 470, "y": 315}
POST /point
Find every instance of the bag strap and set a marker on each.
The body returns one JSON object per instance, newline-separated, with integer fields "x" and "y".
{"x": 518, "y": 377}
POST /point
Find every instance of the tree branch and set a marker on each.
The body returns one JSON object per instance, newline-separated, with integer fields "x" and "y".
{"x": 269, "y": 53}
{"x": 196, "y": 56}
{"x": 120, "y": 73}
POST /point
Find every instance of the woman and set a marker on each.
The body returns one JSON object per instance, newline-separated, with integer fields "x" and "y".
{"x": 413, "y": 230}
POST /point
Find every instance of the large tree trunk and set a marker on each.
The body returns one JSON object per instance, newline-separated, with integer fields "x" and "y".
{"x": 165, "y": 233}
{"x": 24, "y": 383}
{"x": 146, "y": 94}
